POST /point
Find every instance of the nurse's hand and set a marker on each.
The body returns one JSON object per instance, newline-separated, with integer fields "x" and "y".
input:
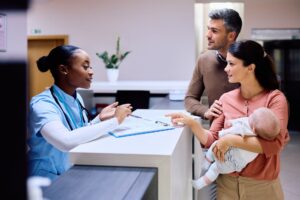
{"x": 122, "y": 112}
{"x": 108, "y": 111}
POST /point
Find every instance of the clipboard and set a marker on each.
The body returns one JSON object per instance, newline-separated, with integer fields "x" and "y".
{"x": 135, "y": 125}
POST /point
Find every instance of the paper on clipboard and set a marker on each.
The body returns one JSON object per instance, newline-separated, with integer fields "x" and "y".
{"x": 135, "y": 126}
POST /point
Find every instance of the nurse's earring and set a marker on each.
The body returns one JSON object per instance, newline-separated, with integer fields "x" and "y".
{"x": 63, "y": 69}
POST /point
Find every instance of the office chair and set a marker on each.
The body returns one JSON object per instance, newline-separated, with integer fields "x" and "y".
{"x": 139, "y": 99}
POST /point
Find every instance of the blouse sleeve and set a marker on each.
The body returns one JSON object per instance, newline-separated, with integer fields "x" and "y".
{"x": 215, "y": 127}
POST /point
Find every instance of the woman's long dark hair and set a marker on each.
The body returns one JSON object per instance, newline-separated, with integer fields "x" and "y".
{"x": 251, "y": 52}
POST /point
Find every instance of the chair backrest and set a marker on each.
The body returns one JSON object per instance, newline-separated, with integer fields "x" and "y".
{"x": 87, "y": 97}
{"x": 139, "y": 99}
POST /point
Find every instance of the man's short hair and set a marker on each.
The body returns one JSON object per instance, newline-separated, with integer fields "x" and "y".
{"x": 232, "y": 19}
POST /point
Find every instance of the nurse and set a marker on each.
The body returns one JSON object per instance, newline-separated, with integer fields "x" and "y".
{"x": 58, "y": 120}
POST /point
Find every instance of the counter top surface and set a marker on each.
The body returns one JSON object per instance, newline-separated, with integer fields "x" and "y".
{"x": 163, "y": 141}
{"x": 152, "y": 86}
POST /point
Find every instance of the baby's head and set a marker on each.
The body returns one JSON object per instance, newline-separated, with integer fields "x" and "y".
{"x": 265, "y": 123}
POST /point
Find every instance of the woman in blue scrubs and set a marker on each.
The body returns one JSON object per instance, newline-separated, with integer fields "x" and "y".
{"x": 58, "y": 120}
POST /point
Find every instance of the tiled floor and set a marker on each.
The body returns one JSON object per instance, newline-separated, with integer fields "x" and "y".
{"x": 290, "y": 167}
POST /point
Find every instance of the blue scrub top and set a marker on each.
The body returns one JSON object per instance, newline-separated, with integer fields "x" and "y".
{"x": 43, "y": 158}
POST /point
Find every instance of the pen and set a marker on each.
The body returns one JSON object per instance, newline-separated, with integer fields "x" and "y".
{"x": 162, "y": 123}
{"x": 136, "y": 116}
{"x": 157, "y": 122}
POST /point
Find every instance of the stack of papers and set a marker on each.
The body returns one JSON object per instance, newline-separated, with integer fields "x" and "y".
{"x": 135, "y": 125}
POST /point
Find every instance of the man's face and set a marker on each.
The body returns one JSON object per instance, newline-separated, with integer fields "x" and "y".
{"x": 217, "y": 36}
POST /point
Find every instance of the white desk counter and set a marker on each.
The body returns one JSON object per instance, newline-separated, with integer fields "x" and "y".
{"x": 169, "y": 151}
{"x": 152, "y": 86}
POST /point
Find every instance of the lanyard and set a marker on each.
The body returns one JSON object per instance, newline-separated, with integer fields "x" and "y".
{"x": 70, "y": 118}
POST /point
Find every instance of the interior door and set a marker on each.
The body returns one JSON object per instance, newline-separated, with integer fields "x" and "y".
{"x": 41, "y": 46}
{"x": 286, "y": 54}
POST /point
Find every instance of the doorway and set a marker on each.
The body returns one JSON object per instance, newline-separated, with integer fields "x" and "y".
{"x": 286, "y": 55}
{"x": 38, "y": 46}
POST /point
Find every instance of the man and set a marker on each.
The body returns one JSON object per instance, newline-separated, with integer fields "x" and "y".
{"x": 209, "y": 75}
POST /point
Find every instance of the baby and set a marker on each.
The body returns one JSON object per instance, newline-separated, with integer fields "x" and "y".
{"x": 262, "y": 122}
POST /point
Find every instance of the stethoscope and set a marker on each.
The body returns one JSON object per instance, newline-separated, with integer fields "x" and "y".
{"x": 66, "y": 116}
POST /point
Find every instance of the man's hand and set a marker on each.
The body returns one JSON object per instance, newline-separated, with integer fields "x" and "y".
{"x": 214, "y": 111}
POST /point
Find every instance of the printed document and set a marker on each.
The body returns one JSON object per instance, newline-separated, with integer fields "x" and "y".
{"x": 135, "y": 125}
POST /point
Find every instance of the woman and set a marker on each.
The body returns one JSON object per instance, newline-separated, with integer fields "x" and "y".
{"x": 58, "y": 120}
{"x": 249, "y": 66}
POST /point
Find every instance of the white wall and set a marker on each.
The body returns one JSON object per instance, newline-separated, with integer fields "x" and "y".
{"x": 16, "y": 37}
{"x": 271, "y": 14}
{"x": 160, "y": 34}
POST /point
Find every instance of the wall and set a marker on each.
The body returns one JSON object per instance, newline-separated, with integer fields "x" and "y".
{"x": 16, "y": 40}
{"x": 271, "y": 14}
{"x": 160, "y": 34}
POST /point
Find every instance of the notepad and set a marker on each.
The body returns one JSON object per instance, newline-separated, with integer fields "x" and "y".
{"x": 134, "y": 125}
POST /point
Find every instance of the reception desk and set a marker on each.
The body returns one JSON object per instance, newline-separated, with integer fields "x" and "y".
{"x": 86, "y": 182}
{"x": 153, "y": 86}
{"x": 168, "y": 151}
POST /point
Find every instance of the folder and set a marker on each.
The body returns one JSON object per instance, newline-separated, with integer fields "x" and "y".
{"x": 135, "y": 125}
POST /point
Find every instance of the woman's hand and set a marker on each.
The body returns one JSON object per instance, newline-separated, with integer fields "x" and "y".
{"x": 180, "y": 119}
{"x": 222, "y": 147}
{"x": 214, "y": 111}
